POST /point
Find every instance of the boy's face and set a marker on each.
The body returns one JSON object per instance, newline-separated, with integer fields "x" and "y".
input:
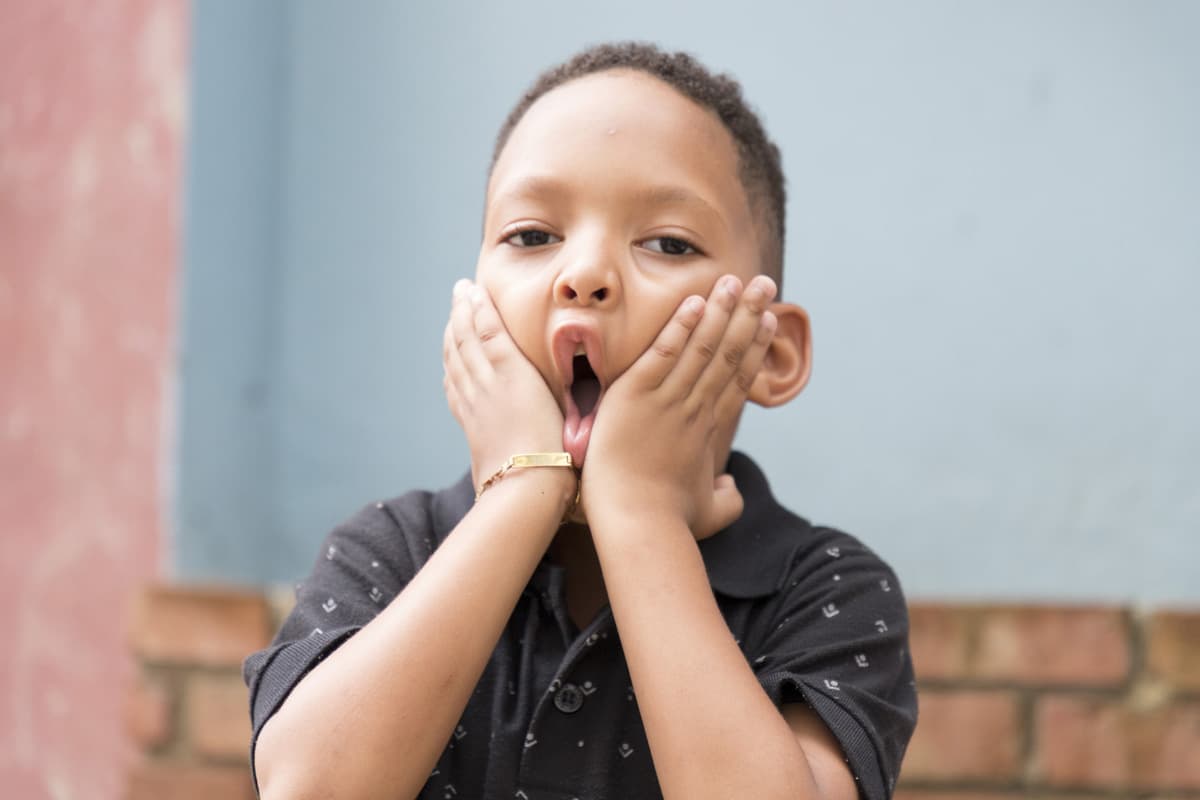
{"x": 614, "y": 199}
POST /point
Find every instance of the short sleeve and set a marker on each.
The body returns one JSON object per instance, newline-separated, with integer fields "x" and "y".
{"x": 361, "y": 566}
{"x": 836, "y": 638}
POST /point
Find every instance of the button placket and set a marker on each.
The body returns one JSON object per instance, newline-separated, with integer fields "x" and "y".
{"x": 568, "y": 699}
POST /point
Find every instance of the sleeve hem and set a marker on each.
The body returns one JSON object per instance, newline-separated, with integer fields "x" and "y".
{"x": 859, "y": 749}
{"x": 282, "y": 667}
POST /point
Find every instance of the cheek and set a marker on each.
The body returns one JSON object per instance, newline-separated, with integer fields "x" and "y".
{"x": 661, "y": 303}
{"x": 652, "y": 307}
{"x": 523, "y": 320}
{"x": 513, "y": 312}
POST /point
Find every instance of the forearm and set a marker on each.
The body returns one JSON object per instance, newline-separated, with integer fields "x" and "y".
{"x": 713, "y": 731}
{"x": 406, "y": 676}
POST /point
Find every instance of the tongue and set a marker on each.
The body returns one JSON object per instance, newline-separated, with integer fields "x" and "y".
{"x": 586, "y": 391}
{"x": 577, "y": 427}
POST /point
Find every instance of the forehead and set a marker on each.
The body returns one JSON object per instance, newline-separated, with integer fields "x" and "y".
{"x": 623, "y": 129}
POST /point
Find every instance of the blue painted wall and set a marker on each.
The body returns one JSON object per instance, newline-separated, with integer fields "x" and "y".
{"x": 994, "y": 220}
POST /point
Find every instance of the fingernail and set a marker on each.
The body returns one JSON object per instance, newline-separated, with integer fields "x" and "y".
{"x": 766, "y": 328}
{"x": 460, "y": 286}
{"x": 730, "y": 284}
{"x": 693, "y": 305}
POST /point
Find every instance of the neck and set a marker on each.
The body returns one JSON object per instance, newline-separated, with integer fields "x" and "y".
{"x": 573, "y": 549}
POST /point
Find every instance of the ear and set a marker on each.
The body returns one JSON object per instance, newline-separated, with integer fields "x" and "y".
{"x": 788, "y": 362}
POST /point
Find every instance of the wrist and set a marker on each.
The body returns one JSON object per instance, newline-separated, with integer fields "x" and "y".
{"x": 554, "y": 480}
{"x": 634, "y": 512}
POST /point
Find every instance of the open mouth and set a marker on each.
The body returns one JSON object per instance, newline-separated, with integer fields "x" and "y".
{"x": 584, "y": 390}
{"x": 585, "y": 386}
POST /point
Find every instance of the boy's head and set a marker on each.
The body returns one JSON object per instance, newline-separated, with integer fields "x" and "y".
{"x": 624, "y": 181}
{"x": 758, "y": 161}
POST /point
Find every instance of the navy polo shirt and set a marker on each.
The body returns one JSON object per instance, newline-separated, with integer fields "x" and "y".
{"x": 820, "y": 618}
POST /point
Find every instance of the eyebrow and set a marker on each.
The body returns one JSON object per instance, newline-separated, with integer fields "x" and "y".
{"x": 539, "y": 187}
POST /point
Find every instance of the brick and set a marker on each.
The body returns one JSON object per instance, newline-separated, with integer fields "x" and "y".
{"x": 282, "y": 599}
{"x": 149, "y": 713}
{"x": 939, "y": 636}
{"x": 956, "y": 794}
{"x": 199, "y": 626}
{"x": 165, "y": 780}
{"x": 935, "y": 793}
{"x": 1053, "y": 646}
{"x": 966, "y": 735}
{"x": 1173, "y": 648}
{"x": 217, "y": 716}
{"x": 1108, "y": 743}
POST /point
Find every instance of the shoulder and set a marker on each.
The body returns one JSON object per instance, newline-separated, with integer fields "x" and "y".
{"x": 397, "y": 535}
{"x": 770, "y": 550}
{"x": 823, "y": 621}
{"x": 841, "y": 560}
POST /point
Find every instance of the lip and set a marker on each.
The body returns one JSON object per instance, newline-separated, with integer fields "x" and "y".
{"x": 565, "y": 340}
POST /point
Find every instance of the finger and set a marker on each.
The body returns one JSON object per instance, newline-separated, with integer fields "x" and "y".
{"x": 489, "y": 328}
{"x": 734, "y": 394}
{"x": 738, "y": 338}
{"x": 466, "y": 339}
{"x": 701, "y": 348}
{"x": 726, "y": 507}
{"x": 663, "y": 354}
{"x": 455, "y": 372}
{"x": 452, "y": 399}
{"x": 451, "y": 355}
{"x": 448, "y": 342}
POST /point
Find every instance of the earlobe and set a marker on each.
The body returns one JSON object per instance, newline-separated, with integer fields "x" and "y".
{"x": 788, "y": 362}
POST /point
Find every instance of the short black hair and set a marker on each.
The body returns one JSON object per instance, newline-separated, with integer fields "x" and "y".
{"x": 759, "y": 163}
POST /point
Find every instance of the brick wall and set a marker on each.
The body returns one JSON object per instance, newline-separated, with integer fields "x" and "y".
{"x": 1016, "y": 701}
{"x": 188, "y": 710}
{"x": 1051, "y": 700}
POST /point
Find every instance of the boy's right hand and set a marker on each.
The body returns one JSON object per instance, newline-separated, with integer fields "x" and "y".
{"x": 498, "y": 397}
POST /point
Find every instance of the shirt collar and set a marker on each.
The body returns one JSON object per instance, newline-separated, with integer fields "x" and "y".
{"x": 751, "y": 557}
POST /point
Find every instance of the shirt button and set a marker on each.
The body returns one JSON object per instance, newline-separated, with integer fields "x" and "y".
{"x": 569, "y": 699}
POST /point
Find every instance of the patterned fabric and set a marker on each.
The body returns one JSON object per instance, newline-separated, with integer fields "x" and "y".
{"x": 821, "y": 619}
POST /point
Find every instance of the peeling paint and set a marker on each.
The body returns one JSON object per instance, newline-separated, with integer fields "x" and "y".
{"x": 87, "y": 288}
{"x": 83, "y": 170}
{"x": 17, "y": 424}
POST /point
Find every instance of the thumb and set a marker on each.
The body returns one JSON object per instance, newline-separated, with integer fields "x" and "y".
{"x": 726, "y": 507}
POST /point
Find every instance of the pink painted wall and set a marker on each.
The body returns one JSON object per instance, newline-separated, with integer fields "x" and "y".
{"x": 91, "y": 121}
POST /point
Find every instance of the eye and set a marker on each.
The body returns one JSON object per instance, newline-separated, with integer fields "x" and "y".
{"x": 531, "y": 237}
{"x": 670, "y": 246}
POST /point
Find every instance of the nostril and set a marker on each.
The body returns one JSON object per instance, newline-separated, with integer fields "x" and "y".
{"x": 600, "y": 294}
{"x": 569, "y": 292}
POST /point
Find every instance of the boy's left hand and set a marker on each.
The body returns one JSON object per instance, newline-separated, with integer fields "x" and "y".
{"x": 652, "y": 448}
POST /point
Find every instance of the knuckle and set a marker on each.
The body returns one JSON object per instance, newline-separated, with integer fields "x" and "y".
{"x": 744, "y": 381}
{"x": 489, "y": 334}
{"x": 734, "y": 354}
{"x": 665, "y": 350}
{"x": 706, "y": 350}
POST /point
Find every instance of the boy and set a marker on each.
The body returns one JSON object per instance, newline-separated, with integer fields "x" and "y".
{"x": 649, "y": 622}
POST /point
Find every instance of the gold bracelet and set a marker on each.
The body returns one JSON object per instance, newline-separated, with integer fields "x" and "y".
{"x": 529, "y": 460}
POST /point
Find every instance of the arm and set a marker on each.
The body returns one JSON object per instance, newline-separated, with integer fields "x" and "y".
{"x": 648, "y": 491}
{"x": 407, "y": 675}
{"x": 712, "y": 729}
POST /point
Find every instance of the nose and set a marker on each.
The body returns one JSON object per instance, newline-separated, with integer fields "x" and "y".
{"x": 588, "y": 281}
